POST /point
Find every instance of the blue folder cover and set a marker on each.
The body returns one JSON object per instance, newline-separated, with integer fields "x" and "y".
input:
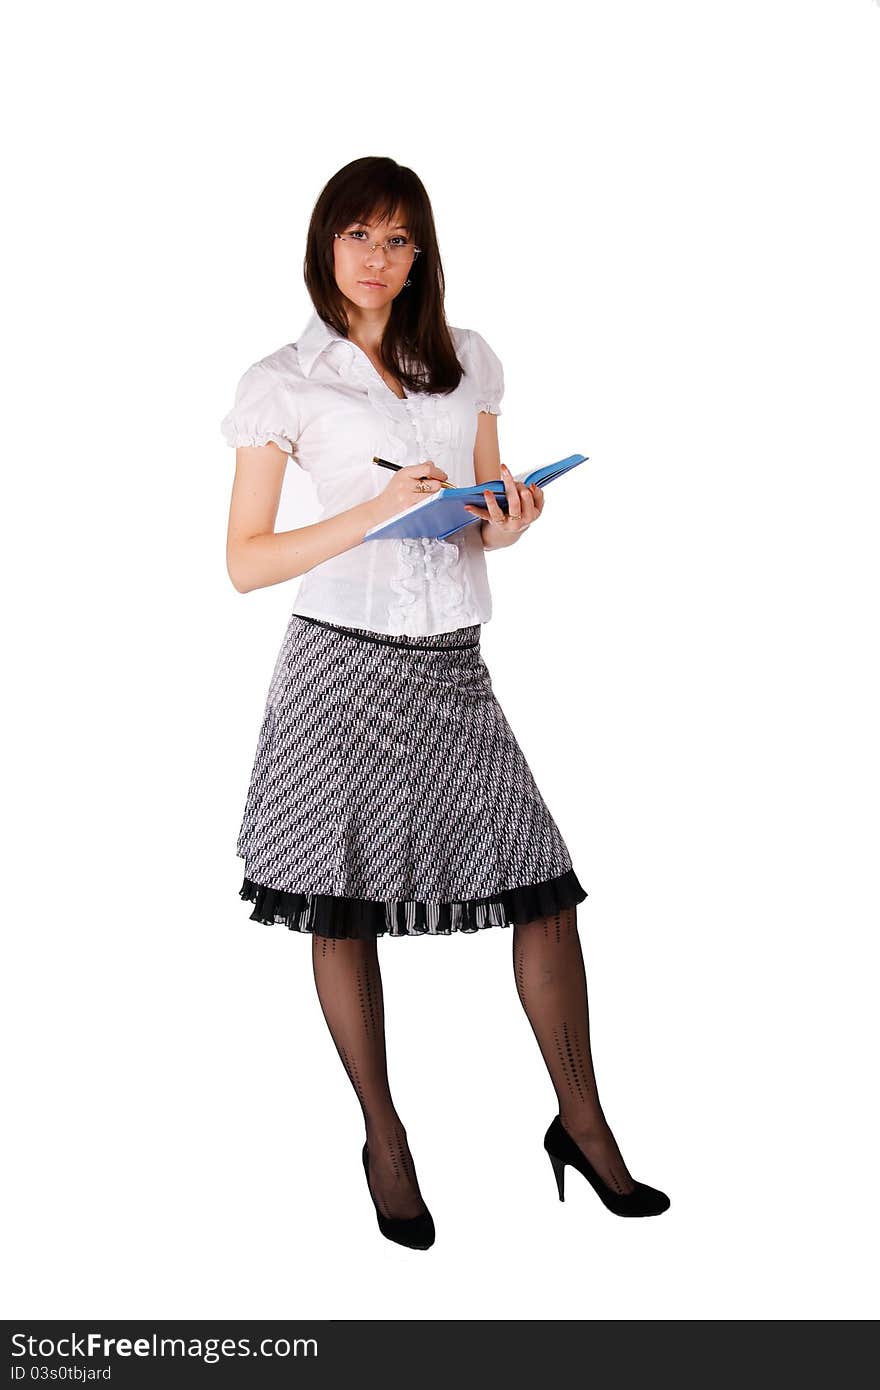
{"x": 443, "y": 512}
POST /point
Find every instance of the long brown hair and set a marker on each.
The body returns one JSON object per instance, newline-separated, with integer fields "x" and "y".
{"x": 417, "y": 345}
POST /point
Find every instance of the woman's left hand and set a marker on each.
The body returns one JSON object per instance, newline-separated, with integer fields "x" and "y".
{"x": 524, "y": 505}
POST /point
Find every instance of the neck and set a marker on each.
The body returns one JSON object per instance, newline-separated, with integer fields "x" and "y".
{"x": 366, "y": 326}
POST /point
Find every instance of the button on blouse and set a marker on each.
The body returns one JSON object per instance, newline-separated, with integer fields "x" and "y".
{"x": 323, "y": 402}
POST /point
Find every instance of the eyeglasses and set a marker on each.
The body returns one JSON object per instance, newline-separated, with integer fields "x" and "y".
{"x": 396, "y": 248}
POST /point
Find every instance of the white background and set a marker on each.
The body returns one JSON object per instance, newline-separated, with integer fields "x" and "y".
{"x": 664, "y": 218}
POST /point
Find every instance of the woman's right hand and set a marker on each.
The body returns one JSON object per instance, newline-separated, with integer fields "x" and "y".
{"x": 407, "y": 486}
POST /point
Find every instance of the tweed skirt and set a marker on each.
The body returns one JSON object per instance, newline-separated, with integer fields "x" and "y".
{"x": 389, "y": 794}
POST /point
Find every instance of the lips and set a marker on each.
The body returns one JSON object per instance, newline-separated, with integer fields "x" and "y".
{"x": 373, "y": 284}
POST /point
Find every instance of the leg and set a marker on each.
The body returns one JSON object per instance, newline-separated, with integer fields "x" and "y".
{"x": 552, "y": 986}
{"x": 349, "y": 985}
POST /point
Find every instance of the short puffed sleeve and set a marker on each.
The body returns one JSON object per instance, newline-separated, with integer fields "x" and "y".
{"x": 264, "y": 412}
{"x": 487, "y": 371}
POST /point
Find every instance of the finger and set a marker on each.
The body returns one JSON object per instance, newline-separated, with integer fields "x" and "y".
{"x": 529, "y": 511}
{"x": 538, "y": 495}
{"x": 495, "y": 512}
{"x": 477, "y": 511}
{"x": 427, "y": 469}
{"x": 513, "y": 503}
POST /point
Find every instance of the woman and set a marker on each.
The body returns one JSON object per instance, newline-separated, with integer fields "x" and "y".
{"x": 388, "y": 792}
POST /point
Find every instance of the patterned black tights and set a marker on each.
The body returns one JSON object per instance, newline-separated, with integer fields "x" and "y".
{"x": 349, "y": 986}
{"x": 552, "y": 985}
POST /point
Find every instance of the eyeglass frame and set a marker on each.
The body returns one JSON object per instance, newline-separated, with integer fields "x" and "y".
{"x": 346, "y": 236}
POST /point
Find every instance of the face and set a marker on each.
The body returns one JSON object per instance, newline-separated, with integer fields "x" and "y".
{"x": 367, "y": 276}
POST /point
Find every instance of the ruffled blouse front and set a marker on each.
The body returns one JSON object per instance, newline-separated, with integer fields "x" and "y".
{"x": 323, "y": 402}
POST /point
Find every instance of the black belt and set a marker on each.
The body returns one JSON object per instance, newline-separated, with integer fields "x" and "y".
{"x": 389, "y": 641}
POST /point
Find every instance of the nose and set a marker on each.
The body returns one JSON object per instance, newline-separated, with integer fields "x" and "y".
{"x": 376, "y": 251}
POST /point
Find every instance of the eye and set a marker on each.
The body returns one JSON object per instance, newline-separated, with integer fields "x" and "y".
{"x": 356, "y": 232}
{"x": 399, "y": 240}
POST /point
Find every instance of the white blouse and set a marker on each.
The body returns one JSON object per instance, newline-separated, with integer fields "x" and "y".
{"x": 323, "y": 402}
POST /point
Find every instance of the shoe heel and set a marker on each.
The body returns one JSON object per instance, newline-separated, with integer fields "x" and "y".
{"x": 559, "y": 1174}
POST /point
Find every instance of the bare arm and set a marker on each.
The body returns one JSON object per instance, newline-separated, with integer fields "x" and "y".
{"x": 257, "y": 556}
{"x": 524, "y": 503}
{"x": 487, "y": 467}
{"x": 487, "y": 450}
{"x": 487, "y": 463}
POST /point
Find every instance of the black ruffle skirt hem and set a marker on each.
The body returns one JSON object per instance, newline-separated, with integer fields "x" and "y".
{"x": 326, "y": 915}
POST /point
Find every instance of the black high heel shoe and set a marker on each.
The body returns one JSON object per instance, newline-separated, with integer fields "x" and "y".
{"x": 642, "y": 1201}
{"x": 416, "y": 1232}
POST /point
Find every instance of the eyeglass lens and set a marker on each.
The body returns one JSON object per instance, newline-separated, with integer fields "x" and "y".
{"x": 393, "y": 249}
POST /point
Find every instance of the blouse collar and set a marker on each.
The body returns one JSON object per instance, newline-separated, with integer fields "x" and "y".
{"x": 315, "y": 338}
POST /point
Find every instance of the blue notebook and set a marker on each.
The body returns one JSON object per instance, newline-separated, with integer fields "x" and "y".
{"x": 443, "y": 512}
